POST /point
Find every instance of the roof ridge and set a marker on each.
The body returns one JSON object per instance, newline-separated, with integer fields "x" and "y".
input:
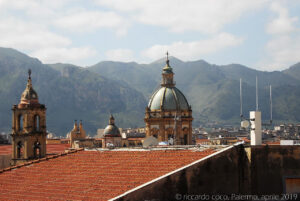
{"x": 40, "y": 160}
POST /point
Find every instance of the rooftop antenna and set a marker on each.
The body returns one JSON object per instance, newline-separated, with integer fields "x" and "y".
{"x": 244, "y": 121}
{"x": 271, "y": 108}
{"x": 256, "y": 94}
{"x": 241, "y": 100}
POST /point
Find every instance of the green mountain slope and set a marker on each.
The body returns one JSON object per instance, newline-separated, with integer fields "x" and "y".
{"x": 72, "y": 92}
{"x": 293, "y": 71}
{"x": 212, "y": 90}
{"x": 69, "y": 93}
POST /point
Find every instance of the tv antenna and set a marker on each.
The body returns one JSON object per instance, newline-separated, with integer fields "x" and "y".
{"x": 271, "y": 109}
{"x": 245, "y": 121}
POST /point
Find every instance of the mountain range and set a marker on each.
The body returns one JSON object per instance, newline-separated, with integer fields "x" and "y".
{"x": 90, "y": 94}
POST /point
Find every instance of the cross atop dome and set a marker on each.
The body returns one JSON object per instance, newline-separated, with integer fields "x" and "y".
{"x": 29, "y": 73}
{"x": 167, "y": 61}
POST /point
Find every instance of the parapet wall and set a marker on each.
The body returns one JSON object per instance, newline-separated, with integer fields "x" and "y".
{"x": 271, "y": 166}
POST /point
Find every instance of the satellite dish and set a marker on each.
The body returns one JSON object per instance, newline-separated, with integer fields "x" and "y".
{"x": 245, "y": 124}
{"x": 150, "y": 141}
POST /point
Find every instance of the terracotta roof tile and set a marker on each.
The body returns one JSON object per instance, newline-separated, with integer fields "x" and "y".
{"x": 97, "y": 175}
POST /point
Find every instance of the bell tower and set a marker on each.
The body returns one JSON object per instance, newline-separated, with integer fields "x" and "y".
{"x": 28, "y": 126}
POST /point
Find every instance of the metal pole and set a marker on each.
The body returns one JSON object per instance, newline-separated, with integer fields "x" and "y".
{"x": 271, "y": 108}
{"x": 256, "y": 94}
{"x": 241, "y": 99}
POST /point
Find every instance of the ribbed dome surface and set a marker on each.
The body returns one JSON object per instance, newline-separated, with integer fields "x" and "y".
{"x": 168, "y": 98}
{"x": 112, "y": 130}
{"x": 29, "y": 94}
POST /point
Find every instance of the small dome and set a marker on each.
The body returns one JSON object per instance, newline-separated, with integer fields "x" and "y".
{"x": 168, "y": 98}
{"x": 112, "y": 130}
{"x": 29, "y": 96}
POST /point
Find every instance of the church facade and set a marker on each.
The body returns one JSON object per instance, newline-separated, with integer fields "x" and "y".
{"x": 168, "y": 116}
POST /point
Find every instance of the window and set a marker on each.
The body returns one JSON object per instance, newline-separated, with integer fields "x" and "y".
{"x": 19, "y": 149}
{"x": 37, "y": 150}
{"x": 185, "y": 140}
{"x": 20, "y": 122}
{"x": 37, "y": 122}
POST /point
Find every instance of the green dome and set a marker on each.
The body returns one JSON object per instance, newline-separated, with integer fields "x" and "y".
{"x": 168, "y": 98}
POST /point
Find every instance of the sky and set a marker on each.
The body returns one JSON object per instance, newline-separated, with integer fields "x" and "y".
{"x": 261, "y": 34}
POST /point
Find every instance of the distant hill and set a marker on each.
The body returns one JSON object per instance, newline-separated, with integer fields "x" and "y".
{"x": 69, "y": 92}
{"x": 72, "y": 92}
{"x": 293, "y": 71}
{"x": 212, "y": 90}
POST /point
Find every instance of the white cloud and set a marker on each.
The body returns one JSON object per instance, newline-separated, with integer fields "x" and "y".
{"x": 28, "y": 36}
{"x": 283, "y": 23}
{"x": 206, "y": 16}
{"x": 26, "y": 26}
{"x": 282, "y": 50}
{"x": 83, "y": 21}
{"x": 195, "y": 49}
{"x": 63, "y": 55}
{"x": 124, "y": 55}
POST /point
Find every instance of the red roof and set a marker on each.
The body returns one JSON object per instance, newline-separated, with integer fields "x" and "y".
{"x": 5, "y": 149}
{"x": 272, "y": 143}
{"x": 51, "y": 148}
{"x": 56, "y": 148}
{"x": 92, "y": 175}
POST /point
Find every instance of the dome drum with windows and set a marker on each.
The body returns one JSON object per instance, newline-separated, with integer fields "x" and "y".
{"x": 168, "y": 114}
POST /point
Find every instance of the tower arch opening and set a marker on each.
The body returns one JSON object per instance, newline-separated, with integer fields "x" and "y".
{"x": 20, "y": 122}
{"x": 36, "y": 122}
{"x": 37, "y": 149}
{"x": 20, "y": 149}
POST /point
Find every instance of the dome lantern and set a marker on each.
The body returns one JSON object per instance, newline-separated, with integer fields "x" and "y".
{"x": 167, "y": 74}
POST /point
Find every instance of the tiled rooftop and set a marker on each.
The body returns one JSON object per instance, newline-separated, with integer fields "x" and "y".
{"x": 51, "y": 148}
{"x": 5, "y": 149}
{"x": 91, "y": 175}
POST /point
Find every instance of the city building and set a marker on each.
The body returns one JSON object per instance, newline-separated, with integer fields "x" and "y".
{"x": 168, "y": 116}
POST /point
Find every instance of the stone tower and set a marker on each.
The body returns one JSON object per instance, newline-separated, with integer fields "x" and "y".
{"x": 77, "y": 133}
{"x": 168, "y": 116}
{"x": 28, "y": 126}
